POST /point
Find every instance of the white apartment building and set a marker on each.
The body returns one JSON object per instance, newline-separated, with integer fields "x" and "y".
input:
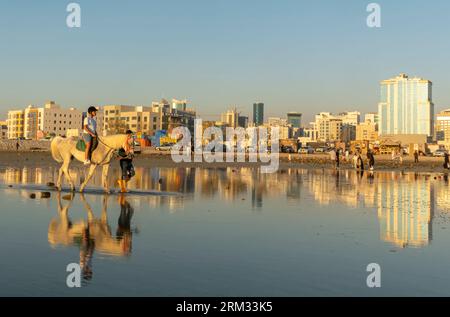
{"x": 276, "y": 121}
{"x": 371, "y": 117}
{"x": 231, "y": 118}
{"x": 330, "y": 127}
{"x": 352, "y": 118}
{"x": 36, "y": 123}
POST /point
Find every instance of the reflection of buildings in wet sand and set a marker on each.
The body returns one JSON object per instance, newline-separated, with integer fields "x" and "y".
{"x": 443, "y": 195}
{"x": 38, "y": 175}
{"x": 175, "y": 180}
{"x": 180, "y": 180}
{"x": 405, "y": 203}
{"x": 405, "y": 210}
{"x": 235, "y": 184}
{"x": 345, "y": 186}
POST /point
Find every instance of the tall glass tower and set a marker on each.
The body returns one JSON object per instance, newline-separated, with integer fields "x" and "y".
{"x": 258, "y": 113}
{"x": 406, "y": 106}
{"x": 295, "y": 119}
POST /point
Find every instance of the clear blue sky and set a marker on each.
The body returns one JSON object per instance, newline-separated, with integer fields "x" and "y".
{"x": 306, "y": 56}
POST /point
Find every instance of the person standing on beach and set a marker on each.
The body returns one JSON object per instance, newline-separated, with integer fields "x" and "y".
{"x": 17, "y": 145}
{"x": 355, "y": 159}
{"x": 446, "y": 161}
{"x": 371, "y": 159}
{"x": 89, "y": 132}
{"x": 333, "y": 156}
{"x": 337, "y": 158}
{"x": 126, "y": 162}
{"x": 359, "y": 162}
{"x": 416, "y": 156}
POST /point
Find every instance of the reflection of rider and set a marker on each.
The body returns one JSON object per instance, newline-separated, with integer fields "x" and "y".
{"x": 92, "y": 235}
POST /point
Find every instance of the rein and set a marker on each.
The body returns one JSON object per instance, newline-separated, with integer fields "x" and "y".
{"x": 109, "y": 151}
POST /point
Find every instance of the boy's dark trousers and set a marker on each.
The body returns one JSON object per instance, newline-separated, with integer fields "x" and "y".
{"x": 126, "y": 165}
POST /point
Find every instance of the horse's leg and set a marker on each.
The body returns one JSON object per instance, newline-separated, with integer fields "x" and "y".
{"x": 67, "y": 174}
{"x": 90, "y": 173}
{"x": 58, "y": 183}
{"x": 105, "y": 184}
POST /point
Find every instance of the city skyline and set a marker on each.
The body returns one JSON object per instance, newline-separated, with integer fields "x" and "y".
{"x": 259, "y": 107}
{"x": 219, "y": 54}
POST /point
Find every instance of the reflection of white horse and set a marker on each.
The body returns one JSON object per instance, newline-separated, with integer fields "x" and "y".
{"x": 64, "y": 149}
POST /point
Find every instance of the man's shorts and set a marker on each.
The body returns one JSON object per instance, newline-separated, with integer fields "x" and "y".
{"x": 87, "y": 137}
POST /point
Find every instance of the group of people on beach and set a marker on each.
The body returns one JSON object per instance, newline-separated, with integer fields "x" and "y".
{"x": 356, "y": 160}
{"x": 125, "y": 154}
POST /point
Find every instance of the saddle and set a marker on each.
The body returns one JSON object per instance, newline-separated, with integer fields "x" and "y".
{"x": 81, "y": 145}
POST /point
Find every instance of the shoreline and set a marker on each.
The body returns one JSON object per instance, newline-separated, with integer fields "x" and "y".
{"x": 20, "y": 159}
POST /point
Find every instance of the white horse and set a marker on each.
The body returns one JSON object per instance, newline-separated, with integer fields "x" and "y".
{"x": 64, "y": 149}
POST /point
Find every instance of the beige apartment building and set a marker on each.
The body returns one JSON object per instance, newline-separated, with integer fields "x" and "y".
{"x": 366, "y": 131}
{"x": 148, "y": 119}
{"x": 3, "y": 130}
{"x": 15, "y": 123}
{"x": 39, "y": 122}
{"x": 328, "y": 127}
{"x": 119, "y": 118}
{"x": 442, "y": 128}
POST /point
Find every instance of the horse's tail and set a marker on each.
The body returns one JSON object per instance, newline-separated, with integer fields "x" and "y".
{"x": 55, "y": 151}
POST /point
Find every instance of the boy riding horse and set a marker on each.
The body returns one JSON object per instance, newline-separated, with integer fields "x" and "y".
{"x": 89, "y": 132}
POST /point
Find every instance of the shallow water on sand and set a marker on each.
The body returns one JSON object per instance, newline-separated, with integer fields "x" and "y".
{"x": 232, "y": 232}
